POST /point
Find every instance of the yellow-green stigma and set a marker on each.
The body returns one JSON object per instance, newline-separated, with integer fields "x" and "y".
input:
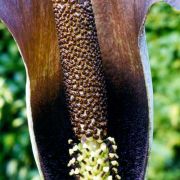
{"x": 93, "y": 159}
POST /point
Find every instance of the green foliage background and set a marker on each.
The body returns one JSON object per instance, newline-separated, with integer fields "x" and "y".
{"x": 16, "y": 160}
{"x": 163, "y": 36}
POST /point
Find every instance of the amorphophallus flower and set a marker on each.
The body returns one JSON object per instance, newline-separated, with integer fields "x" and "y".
{"x": 89, "y": 93}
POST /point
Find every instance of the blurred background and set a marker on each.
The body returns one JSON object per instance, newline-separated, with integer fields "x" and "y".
{"x": 163, "y": 37}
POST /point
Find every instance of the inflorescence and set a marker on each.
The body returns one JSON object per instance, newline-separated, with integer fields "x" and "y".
{"x": 94, "y": 160}
{"x": 95, "y": 155}
{"x": 82, "y": 67}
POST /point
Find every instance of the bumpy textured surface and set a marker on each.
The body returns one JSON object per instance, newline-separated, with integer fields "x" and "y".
{"x": 94, "y": 157}
{"x": 82, "y": 67}
{"x": 94, "y": 160}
